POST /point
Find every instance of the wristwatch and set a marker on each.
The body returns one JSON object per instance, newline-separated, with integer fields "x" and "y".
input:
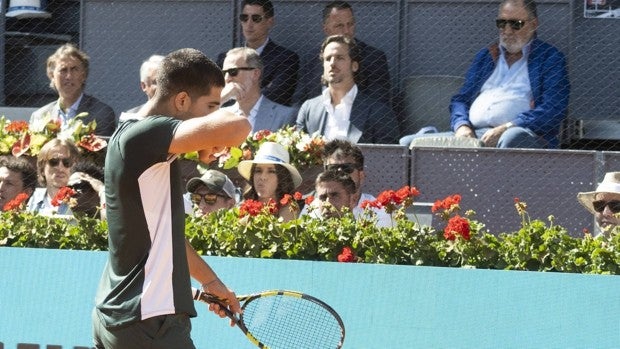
{"x": 509, "y": 124}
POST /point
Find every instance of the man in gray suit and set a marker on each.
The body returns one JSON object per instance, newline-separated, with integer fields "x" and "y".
{"x": 67, "y": 70}
{"x": 343, "y": 111}
{"x": 242, "y": 69}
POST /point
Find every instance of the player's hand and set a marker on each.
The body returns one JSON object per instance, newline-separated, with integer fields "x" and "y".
{"x": 218, "y": 289}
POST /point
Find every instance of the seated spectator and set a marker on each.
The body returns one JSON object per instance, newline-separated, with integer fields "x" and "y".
{"x": 334, "y": 191}
{"x": 243, "y": 69}
{"x": 515, "y": 93}
{"x": 271, "y": 176}
{"x": 373, "y": 77}
{"x": 604, "y": 204}
{"x": 148, "y": 81}
{"x": 210, "y": 192}
{"x": 87, "y": 180}
{"x": 342, "y": 111}
{"x": 54, "y": 164}
{"x": 67, "y": 70}
{"x": 347, "y": 158}
{"x": 17, "y": 175}
{"x": 280, "y": 65}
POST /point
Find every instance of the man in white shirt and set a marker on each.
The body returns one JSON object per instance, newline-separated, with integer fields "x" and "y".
{"x": 347, "y": 158}
{"x": 515, "y": 93}
{"x": 243, "y": 69}
{"x": 342, "y": 111}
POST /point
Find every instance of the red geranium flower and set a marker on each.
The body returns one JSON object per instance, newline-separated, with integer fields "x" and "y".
{"x": 16, "y": 203}
{"x": 16, "y": 127}
{"x": 346, "y": 255}
{"x": 446, "y": 204}
{"x": 63, "y": 195}
{"x": 250, "y": 207}
{"x": 457, "y": 225}
{"x": 309, "y": 199}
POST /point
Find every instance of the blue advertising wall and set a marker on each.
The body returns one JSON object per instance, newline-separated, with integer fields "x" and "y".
{"x": 46, "y": 298}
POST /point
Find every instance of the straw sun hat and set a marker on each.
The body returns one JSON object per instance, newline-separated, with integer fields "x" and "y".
{"x": 270, "y": 153}
{"x": 610, "y": 184}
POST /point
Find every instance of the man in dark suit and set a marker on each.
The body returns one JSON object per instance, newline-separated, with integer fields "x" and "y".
{"x": 281, "y": 65}
{"x": 343, "y": 111}
{"x": 373, "y": 77}
{"x": 67, "y": 70}
{"x": 242, "y": 72}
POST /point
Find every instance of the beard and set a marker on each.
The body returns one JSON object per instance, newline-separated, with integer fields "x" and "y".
{"x": 513, "y": 45}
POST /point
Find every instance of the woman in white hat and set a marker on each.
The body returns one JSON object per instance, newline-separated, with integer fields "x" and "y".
{"x": 604, "y": 203}
{"x": 271, "y": 176}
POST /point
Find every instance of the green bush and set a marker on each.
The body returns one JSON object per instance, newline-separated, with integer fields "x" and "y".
{"x": 536, "y": 246}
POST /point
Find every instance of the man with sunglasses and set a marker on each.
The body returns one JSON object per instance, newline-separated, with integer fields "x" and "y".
{"x": 243, "y": 69}
{"x": 515, "y": 93}
{"x": 211, "y": 191}
{"x": 280, "y": 65}
{"x": 604, "y": 203}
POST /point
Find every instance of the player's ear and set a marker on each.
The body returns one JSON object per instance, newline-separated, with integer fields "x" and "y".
{"x": 182, "y": 101}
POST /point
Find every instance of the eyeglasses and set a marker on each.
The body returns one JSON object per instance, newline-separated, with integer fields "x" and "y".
{"x": 255, "y": 18}
{"x": 515, "y": 24}
{"x": 81, "y": 187}
{"x": 235, "y": 71}
{"x": 347, "y": 168}
{"x": 66, "y": 162}
{"x": 209, "y": 199}
{"x": 599, "y": 206}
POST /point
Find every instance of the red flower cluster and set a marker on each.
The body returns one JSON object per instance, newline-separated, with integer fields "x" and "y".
{"x": 261, "y": 134}
{"x": 16, "y": 127}
{"x": 346, "y": 255}
{"x": 389, "y": 199}
{"x": 288, "y": 198}
{"x": 63, "y": 195}
{"x": 254, "y": 208}
{"x": 448, "y": 203}
{"x": 457, "y": 225}
{"x": 16, "y": 203}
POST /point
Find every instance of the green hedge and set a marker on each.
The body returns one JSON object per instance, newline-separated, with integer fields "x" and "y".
{"x": 536, "y": 246}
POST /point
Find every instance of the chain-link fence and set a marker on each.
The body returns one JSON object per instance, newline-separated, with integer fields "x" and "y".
{"x": 428, "y": 46}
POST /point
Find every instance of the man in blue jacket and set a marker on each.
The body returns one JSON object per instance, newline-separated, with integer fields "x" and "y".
{"x": 515, "y": 93}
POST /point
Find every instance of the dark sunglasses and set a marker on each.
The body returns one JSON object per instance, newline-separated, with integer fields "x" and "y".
{"x": 66, "y": 162}
{"x": 235, "y": 71}
{"x": 599, "y": 206}
{"x": 82, "y": 187}
{"x": 209, "y": 199}
{"x": 345, "y": 168}
{"x": 255, "y": 18}
{"x": 515, "y": 24}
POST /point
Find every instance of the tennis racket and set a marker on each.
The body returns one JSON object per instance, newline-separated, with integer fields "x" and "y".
{"x": 284, "y": 320}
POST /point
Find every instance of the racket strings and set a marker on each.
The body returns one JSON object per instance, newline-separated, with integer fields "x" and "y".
{"x": 283, "y": 322}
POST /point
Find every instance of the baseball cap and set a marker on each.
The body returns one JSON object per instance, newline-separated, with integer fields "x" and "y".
{"x": 217, "y": 183}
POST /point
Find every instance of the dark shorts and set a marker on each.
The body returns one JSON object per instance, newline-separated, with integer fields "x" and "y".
{"x": 159, "y": 332}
